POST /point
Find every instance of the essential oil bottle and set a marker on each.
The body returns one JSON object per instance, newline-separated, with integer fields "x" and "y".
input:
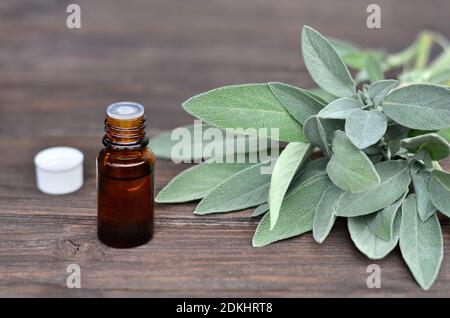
{"x": 125, "y": 186}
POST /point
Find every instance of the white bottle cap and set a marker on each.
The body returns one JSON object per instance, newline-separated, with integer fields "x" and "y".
{"x": 125, "y": 110}
{"x": 59, "y": 170}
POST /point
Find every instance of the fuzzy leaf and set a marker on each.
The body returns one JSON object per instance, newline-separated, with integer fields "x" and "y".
{"x": 325, "y": 213}
{"x": 421, "y": 178}
{"x": 381, "y": 223}
{"x": 420, "y": 106}
{"x": 195, "y": 182}
{"x": 369, "y": 243}
{"x": 316, "y": 135}
{"x": 297, "y": 213}
{"x": 298, "y": 102}
{"x": 162, "y": 144}
{"x": 260, "y": 210}
{"x": 377, "y": 91}
{"x": 324, "y": 64}
{"x": 308, "y": 170}
{"x": 439, "y": 188}
{"x": 323, "y": 94}
{"x": 349, "y": 168}
{"x": 365, "y": 127}
{"x": 247, "y": 188}
{"x": 287, "y": 164}
{"x": 248, "y": 106}
{"x": 421, "y": 243}
{"x": 437, "y": 146}
{"x": 394, "y": 183}
{"x": 340, "y": 108}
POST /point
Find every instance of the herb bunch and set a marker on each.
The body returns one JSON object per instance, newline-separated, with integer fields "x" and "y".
{"x": 379, "y": 151}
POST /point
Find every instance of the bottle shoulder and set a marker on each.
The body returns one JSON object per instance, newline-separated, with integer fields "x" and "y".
{"x": 123, "y": 155}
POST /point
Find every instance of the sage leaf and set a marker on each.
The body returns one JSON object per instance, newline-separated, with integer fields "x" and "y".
{"x": 437, "y": 146}
{"x": 297, "y": 213}
{"x": 419, "y": 106}
{"x": 381, "y": 223}
{"x": 421, "y": 178}
{"x": 323, "y": 94}
{"x": 316, "y": 135}
{"x": 421, "y": 243}
{"x": 308, "y": 170}
{"x": 163, "y": 144}
{"x": 287, "y": 164}
{"x": 325, "y": 213}
{"x": 340, "y": 108}
{"x": 349, "y": 168}
{"x": 249, "y": 107}
{"x": 394, "y": 183}
{"x": 378, "y": 90}
{"x": 195, "y": 182}
{"x": 247, "y": 188}
{"x": 439, "y": 188}
{"x": 373, "y": 67}
{"x": 369, "y": 243}
{"x": 324, "y": 64}
{"x": 365, "y": 127}
{"x": 260, "y": 210}
{"x": 298, "y": 102}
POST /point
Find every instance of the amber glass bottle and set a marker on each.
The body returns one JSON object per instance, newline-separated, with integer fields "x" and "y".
{"x": 125, "y": 178}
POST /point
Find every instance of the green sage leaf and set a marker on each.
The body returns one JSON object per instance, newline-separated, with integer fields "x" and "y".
{"x": 365, "y": 127}
{"x": 349, "y": 168}
{"x": 163, "y": 145}
{"x": 377, "y": 91}
{"x": 373, "y": 67}
{"x": 421, "y": 243}
{"x": 260, "y": 210}
{"x": 419, "y": 106}
{"x": 340, "y": 108}
{"x": 437, "y": 146}
{"x": 421, "y": 178}
{"x": 250, "y": 107}
{"x": 325, "y": 213}
{"x": 369, "y": 243}
{"x": 298, "y": 102}
{"x": 324, "y": 64}
{"x": 439, "y": 188}
{"x": 323, "y": 94}
{"x": 287, "y": 164}
{"x": 308, "y": 170}
{"x": 195, "y": 182}
{"x": 245, "y": 189}
{"x": 297, "y": 213}
{"x": 394, "y": 183}
{"x": 381, "y": 223}
{"x": 316, "y": 135}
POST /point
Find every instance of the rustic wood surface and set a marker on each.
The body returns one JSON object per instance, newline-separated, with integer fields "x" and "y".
{"x": 54, "y": 86}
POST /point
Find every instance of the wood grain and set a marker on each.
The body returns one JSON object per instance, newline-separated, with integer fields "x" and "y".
{"x": 55, "y": 84}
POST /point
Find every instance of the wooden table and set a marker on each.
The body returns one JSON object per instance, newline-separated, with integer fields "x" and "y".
{"x": 55, "y": 83}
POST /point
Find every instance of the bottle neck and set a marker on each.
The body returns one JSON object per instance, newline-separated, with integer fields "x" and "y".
{"x": 125, "y": 134}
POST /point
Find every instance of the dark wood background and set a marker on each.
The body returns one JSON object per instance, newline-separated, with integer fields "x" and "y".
{"x": 54, "y": 86}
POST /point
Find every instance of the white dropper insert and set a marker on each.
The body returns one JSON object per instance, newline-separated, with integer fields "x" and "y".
{"x": 59, "y": 170}
{"x": 125, "y": 110}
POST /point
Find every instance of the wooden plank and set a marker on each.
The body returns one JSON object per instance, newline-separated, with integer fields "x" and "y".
{"x": 190, "y": 259}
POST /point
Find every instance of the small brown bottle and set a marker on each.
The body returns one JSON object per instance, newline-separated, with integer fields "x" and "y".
{"x": 125, "y": 178}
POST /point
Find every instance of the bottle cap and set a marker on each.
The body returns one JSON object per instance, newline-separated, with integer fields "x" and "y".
{"x": 59, "y": 170}
{"x": 125, "y": 110}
